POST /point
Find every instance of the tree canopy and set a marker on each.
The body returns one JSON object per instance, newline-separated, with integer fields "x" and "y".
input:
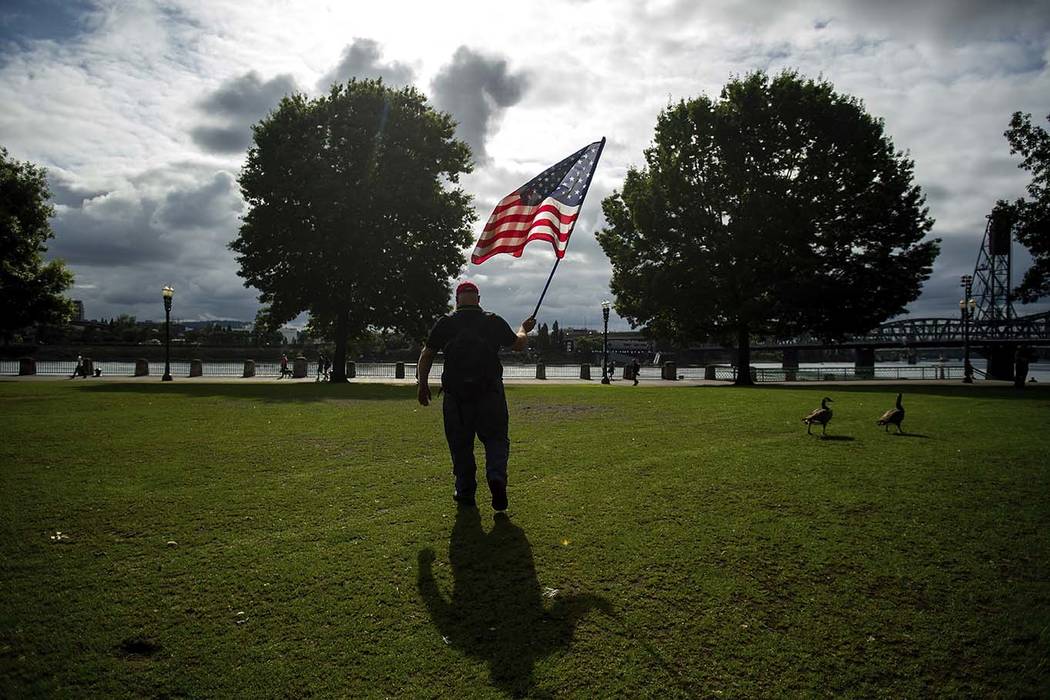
{"x": 30, "y": 288}
{"x": 1032, "y": 216}
{"x": 354, "y": 212}
{"x": 780, "y": 208}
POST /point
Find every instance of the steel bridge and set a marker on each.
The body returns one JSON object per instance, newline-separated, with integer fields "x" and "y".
{"x": 951, "y": 332}
{"x": 986, "y": 322}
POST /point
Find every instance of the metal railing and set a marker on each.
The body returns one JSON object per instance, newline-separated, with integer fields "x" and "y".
{"x": 845, "y": 373}
{"x": 387, "y": 370}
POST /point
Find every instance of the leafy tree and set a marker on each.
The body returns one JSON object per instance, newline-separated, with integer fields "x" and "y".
{"x": 354, "y": 212}
{"x": 556, "y": 338}
{"x": 265, "y": 331}
{"x": 543, "y": 339}
{"x": 30, "y": 289}
{"x": 585, "y": 348}
{"x": 780, "y": 207}
{"x": 1032, "y": 217}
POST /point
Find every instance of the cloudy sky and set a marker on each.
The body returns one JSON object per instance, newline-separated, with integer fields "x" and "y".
{"x": 141, "y": 113}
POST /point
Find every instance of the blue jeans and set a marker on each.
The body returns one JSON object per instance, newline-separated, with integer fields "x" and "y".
{"x": 487, "y": 418}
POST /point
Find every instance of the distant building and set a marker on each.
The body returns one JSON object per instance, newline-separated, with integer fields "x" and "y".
{"x": 78, "y": 310}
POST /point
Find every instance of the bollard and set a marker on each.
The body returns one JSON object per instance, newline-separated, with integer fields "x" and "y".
{"x": 141, "y": 367}
{"x": 670, "y": 371}
{"x": 709, "y": 372}
{"x": 585, "y": 371}
{"x": 196, "y": 368}
{"x": 249, "y": 368}
{"x": 399, "y": 370}
{"x": 88, "y": 367}
{"x": 299, "y": 367}
{"x": 790, "y": 375}
{"x": 541, "y": 370}
{"x": 26, "y": 366}
{"x": 351, "y": 369}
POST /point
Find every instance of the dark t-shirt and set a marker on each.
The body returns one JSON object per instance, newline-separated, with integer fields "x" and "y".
{"x": 495, "y": 330}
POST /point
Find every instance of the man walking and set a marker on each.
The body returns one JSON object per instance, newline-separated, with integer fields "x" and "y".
{"x": 472, "y": 381}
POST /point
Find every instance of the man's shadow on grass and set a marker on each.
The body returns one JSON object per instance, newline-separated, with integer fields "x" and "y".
{"x": 497, "y": 612}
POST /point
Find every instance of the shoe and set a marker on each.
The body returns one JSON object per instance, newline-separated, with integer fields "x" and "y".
{"x": 464, "y": 501}
{"x": 499, "y": 495}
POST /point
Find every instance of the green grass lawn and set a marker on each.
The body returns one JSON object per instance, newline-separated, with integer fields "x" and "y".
{"x": 291, "y": 540}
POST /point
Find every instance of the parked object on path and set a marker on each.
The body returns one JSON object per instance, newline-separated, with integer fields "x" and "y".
{"x": 1020, "y": 366}
{"x": 821, "y": 415}
{"x": 894, "y": 416}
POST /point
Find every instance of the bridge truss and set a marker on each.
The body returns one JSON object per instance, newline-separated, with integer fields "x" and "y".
{"x": 951, "y": 331}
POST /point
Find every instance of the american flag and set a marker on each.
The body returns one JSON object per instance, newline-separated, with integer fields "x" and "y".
{"x": 543, "y": 209}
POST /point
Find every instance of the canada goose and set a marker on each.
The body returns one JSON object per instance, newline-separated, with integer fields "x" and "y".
{"x": 894, "y": 416}
{"x": 821, "y": 415}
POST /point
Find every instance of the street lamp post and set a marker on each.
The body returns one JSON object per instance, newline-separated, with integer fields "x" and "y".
{"x": 605, "y": 343}
{"x": 966, "y": 307}
{"x": 168, "y": 293}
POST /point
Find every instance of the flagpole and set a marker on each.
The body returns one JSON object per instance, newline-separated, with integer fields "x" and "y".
{"x": 583, "y": 199}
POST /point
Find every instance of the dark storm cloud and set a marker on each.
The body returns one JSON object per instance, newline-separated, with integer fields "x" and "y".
{"x": 170, "y": 225}
{"x": 110, "y": 228}
{"x": 223, "y": 139}
{"x": 67, "y": 192}
{"x": 210, "y": 204}
{"x": 234, "y": 106}
{"x": 360, "y": 59}
{"x": 248, "y": 97}
{"x": 476, "y": 89}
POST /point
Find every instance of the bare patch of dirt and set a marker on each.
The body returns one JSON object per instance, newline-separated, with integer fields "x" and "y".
{"x": 138, "y": 648}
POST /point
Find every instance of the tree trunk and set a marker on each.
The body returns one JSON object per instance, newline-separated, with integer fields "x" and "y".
{"x": 339, "y": 361}
{"x": 743, "y": 357}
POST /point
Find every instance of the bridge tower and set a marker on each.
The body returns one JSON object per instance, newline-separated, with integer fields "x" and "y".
{"x": 994, "y": 312}
{"x": 994, "y": 316}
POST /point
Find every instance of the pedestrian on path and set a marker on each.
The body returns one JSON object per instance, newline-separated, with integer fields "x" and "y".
{"x": 78, "y": 369}
{"x": 285, "y": 372}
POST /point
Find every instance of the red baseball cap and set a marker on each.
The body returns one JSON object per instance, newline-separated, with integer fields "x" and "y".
{"x": 466, "y": 287}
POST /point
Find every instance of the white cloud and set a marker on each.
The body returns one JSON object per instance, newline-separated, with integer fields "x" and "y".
{"x": 119, "y": 101}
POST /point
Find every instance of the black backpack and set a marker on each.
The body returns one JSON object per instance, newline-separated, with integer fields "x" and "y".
{"x": 471, "y": 363}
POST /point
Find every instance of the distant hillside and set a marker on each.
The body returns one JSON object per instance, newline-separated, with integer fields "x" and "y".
{"x": 232, "y": 323}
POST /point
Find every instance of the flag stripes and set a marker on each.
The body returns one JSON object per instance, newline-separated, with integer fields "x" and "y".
{"x": 543, "y": 209}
